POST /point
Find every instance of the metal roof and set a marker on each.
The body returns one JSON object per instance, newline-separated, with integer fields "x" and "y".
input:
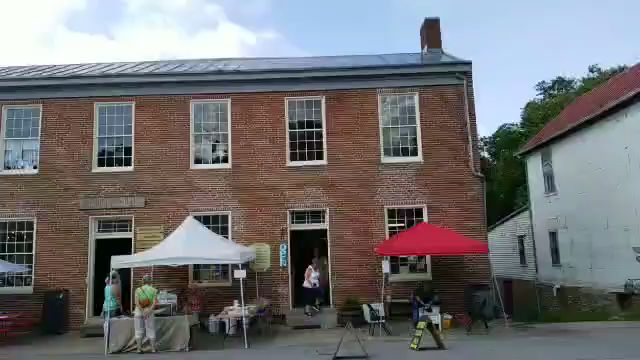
{"x": 228, "y": 65}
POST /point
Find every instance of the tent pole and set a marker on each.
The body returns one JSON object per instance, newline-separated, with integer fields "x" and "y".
{"x": 257, "y": 294}
{"x": 497, "y": 289}
{"x": 244, "y": 323}
{"x": 382, "y": 298}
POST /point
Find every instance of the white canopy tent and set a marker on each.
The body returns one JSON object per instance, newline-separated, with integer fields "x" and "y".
{"x": 191, "y": 243}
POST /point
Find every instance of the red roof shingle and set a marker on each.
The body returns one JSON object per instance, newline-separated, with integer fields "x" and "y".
{"x": 588, "y": 106}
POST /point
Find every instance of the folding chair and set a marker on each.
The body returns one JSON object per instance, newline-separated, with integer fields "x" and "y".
{"x": 374, "y": 315}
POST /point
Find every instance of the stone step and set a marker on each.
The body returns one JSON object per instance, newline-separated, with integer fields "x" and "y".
{"x": 93, "y": 327}
{"x": 327, "y": 318}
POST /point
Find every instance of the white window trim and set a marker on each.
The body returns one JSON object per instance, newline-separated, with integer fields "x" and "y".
{"x": 324, "y": 131}
{"x": 94, "y": 166}
{"x": 3, "y": 126}
{"x": 407, "y": 277}
{"x": 192, "y": 148}
{"x": 400, "y": 159}
{"x": 224, "y": 283}
{"x": 24, "y": 289}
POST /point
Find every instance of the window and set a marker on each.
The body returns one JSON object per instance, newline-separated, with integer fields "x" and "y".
{"x": 114, "y": 137}
{"x": 219, "y": 223}
{"x": 114, "y": 226}
{"x": 547, "y": 172}
{"x": 20, "y": 138}
{"x": 406, "y": 267}
{"x": 400, "y": 128}
{"x": 17, "y": 239}
{"x": 306, "y": 138}
{"x": 211, "y": 134}
{"x": 307, "y": 217}
{"x": 521, "y": 251}
{"x": 555, "y": 249}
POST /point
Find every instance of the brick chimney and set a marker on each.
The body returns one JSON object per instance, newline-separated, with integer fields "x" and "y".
{"x": 430, "y": 37}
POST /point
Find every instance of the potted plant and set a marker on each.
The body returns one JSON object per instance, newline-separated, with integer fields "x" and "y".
{"x": 351, "y": 311}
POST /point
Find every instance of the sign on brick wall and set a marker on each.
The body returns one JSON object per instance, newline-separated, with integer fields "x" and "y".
{"x": 122, "y": 202}
{"x": 148, "y": 236}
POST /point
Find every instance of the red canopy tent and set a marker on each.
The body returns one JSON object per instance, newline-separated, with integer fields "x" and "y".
{"x": 428, "y": 239}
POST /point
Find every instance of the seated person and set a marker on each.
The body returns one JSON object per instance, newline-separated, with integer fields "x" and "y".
{"x": 423, "y": 297}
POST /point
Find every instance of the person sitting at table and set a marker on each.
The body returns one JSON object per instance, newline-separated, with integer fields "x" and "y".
{"x": 146, "y": 298}
{"x": 112, "y": 305}
{"x": 423, "y": 298}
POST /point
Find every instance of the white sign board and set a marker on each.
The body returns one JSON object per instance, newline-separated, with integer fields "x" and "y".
{"x": 240, "y": 274}
{"x": 385, "y": 267}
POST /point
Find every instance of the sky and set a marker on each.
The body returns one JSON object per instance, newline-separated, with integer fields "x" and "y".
{"x": 513, "y": 44}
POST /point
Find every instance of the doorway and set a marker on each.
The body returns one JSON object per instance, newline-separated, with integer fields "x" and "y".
{"x": 308, "y": 238}
{"x": 110, "y": 237}
{"x": 507, "y": 286}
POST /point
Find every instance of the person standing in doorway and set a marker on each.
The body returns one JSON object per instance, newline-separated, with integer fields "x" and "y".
{"x": 146, "y": 301}
{"x": 311, "y": 287}
{"x": 323, "y": 269}
{"x": 112, "y": 305}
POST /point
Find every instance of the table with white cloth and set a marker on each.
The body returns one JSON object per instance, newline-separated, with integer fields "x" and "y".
{"x": 173, "y": 333}
{"x": 232, "y": 317}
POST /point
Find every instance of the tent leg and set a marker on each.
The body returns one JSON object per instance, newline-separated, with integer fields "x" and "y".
{"x": 497, "y": 289}
{"x": 244, "y": 323}
{"x": 257, "y": 294}
{"x": 382, "y": 300}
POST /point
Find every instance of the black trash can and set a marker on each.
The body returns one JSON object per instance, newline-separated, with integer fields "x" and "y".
{"x": 55, "y": 312}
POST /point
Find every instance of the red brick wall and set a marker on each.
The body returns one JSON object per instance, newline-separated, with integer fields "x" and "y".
{"x": 258, "y": 189}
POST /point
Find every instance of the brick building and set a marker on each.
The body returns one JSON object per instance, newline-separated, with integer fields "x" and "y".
{"x": 333, "y": 153}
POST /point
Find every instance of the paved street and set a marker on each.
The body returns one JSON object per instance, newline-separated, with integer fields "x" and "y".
{"x": 584, "y": 341}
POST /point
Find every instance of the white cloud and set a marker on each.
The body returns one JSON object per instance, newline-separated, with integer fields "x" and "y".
{"x": 39, "y": 32}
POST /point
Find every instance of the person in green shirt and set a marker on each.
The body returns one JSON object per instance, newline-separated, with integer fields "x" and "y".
{"x": 146, "y": 297}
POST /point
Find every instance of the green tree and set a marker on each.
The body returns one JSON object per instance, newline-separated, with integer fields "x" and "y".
{"x": 503, "y": 170}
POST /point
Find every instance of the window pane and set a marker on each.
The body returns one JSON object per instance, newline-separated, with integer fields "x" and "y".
{"x": 16, "y": 246}
{"x": 115, "y": 135}
{"x": 219, "y": 224}
{"x": 398, "y": 120}
{"x": 305, "y": 130}
{"x": 21, "y": 138}
{"x": 307, "y": 217}
{"x": 210, "y": 135}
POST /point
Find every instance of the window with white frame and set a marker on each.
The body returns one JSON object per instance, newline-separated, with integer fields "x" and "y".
{"x": 17, "y": 239}
{"x": 306, "y": 132}
{"x": 521, "y": 250}
{"x": 409, "y": 267}
{"x": 220, "y": 224}
{"x": 547, "y": 172}
{"x": 20, "y": 140}
{"x": 114, "y": 136}
{"x": 210, "y": 133}
{"x": 400, "y": 127}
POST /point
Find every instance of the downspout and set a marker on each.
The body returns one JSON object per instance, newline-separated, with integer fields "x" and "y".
{"x": 472, "y": 164}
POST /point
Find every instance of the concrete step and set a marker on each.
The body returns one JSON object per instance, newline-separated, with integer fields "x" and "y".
{"x": 93, "y": 327}
{"x": 327, "y": 318}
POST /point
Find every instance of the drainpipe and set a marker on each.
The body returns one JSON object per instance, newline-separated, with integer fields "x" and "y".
{"x": 472, "y": 164}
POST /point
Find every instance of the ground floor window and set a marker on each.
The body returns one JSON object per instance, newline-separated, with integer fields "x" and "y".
{"x": 219, "y": 223}
{"x": 17, "y": 239}
{"x": 406, "y": 267}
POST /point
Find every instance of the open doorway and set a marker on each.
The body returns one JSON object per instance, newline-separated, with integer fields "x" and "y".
{"x": 308, "y": 239}
{"x": 110, "y": 237}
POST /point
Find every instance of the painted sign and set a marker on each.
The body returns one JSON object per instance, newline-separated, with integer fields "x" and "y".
{"x": 262, "y": 262}
{"x": 240, "y": 274}
{"x": 284, "y": 255}
{"x": 385, "y": 267}
{"x": 148, "y": 236}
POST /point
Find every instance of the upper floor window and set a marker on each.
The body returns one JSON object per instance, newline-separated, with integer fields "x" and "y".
{"x": 219, "y": 223}
{"x": 554, "y": 248}
{"x": 17, "y": 244}
{"x": 547, "y": 172}
{"x": 406, "y": 267}
{"x": 306, "y": 135}
{"x": 400, "y": 128}
{"x": 20, "y": 138}
{"x": 521, "y": 250}
{"x": 211, "y": 134}
{"x": 113, "y": 144}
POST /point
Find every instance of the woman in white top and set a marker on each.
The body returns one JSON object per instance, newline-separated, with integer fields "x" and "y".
{"x": 311, "y": 287}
